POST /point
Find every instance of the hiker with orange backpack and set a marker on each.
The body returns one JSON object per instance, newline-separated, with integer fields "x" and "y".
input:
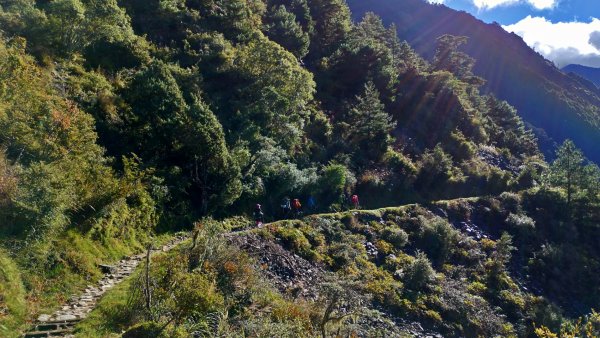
{"x": 297, "y": 206}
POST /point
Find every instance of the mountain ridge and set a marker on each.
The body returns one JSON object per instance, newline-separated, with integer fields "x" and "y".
{"x": 588, "y": 73}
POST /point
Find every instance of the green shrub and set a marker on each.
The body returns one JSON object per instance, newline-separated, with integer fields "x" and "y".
{"x": 343, "y": 254}
{"x": 294, "y": 240}
{"x": 435, "y": 169}
{"x": 419, "y": 275}
{"x": 512, "y": 301}
{"x": 520, "y": 221}
{"x": 511, "y": 201}
{"x": 437, "y": 238}
{"x": 384, "y": 247}
{"x": 8, "y": 182}
{"x": 333, "y": 181}
{"x": 315, "y": 238}
{"x": 267, "y": 327}
{"x": 523, "y": 225}
{"x": 153, "y": 330}
{"x": 433, "y": 317}
{"x": 477, "y": 288}
{"x": 459, "y": 147}
{"x": 395, "y": 236}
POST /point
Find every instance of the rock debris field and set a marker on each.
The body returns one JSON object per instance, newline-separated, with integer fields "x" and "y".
{"x": 62, "y": 322}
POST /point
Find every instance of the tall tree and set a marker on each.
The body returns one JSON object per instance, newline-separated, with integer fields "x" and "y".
{"x": 270, "y": 97}
{"x": 449, "y": 57}
{"x": 568, "y": 170}
{"x": 281, "y": 26}
{"x": 507, "y": 129}
{"x": 214, "y": 173}
{"x": 156, "y": 102}
{"x": 184, "y": 141}
{"x": 367, "y": 54}
{"x": 369, "y": 126}
{"x": 332, "y": 24}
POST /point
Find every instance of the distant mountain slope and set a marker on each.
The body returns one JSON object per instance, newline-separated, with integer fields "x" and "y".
{"x": 564, "y": 106}
{"x": 589, "y": 73}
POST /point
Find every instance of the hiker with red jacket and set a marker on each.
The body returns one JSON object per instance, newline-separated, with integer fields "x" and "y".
{"x": 297, "y": 206}
{"x": 355, "y": 202}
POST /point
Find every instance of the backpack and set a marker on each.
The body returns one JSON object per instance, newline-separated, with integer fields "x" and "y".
{"x": 297, "y": 204}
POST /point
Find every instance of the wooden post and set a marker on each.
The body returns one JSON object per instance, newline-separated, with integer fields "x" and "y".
{"x": 193, "y": 259}
{"x": 148, "y": 292}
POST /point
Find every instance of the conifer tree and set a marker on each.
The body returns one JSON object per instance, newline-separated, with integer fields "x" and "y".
{"x": 332, "y": 24}
{"x": 369, "y": 124}
{"x": 567, "y": 170}
{"x": 282, "y": 27}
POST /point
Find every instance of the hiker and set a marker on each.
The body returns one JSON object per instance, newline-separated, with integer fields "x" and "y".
{"x": 259, "y": 217}
{"x": 355, "y": 201}
{"x": 311, "y": 203}
{"x": 286, "y": 207}
{"x": 343, "y": 201}
{"x": 297, "y": 207}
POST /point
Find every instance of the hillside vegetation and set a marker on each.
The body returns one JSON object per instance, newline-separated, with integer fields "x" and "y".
{"x": 495, "y": 266}
{"x": 124, "y": 120}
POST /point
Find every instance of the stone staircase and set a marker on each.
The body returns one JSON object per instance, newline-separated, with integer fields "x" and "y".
{"x": 62, "y": 322}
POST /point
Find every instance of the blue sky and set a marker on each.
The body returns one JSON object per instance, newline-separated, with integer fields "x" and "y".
{"x": 564, "y": 31}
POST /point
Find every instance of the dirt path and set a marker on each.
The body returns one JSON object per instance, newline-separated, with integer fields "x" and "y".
{"x": 62, "y": 322}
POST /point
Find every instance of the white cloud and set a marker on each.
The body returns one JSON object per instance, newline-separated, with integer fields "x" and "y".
{"x": 595, "y": 39}
{"x": 488, "y": 4}
{"x": 561, "y": 42}
{"x": 543, "y": 4}
{"x": 538, "y": 4}
{"x": 436, "y": 1}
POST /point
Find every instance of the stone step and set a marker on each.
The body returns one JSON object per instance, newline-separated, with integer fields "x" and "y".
{"x": 48, "y": 333}
{"x": 68, "y": 321}
{"x": 54, "y": 326}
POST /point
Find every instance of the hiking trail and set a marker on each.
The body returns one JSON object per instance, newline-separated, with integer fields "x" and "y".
{"x": 62, "y": 322}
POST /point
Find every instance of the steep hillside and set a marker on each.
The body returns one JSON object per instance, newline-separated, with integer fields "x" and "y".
{"x": 589, "y": 73}
{"x": 561, "y": 105}
{"x": 476, "y": 267}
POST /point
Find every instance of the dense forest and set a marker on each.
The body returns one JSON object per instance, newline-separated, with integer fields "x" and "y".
{"x": 124, "y": 121}
{"x": 556, "y": 104}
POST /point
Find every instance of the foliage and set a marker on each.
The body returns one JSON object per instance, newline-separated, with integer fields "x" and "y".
{"x": 448, "y": 57}
{"x": 570, "y": 172}
{"x": 419, "y": 274}
{"x": 120, "y": 119}
{"x": 368, "y": 126}
{"x": 12, "y": 297}
{"x": 342, "y": 300}
{"x": 281, "y": 26}
{"x": 396, "y": 237}
{"x": 587, "y": 326}
{"x": 149, "y": 329}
